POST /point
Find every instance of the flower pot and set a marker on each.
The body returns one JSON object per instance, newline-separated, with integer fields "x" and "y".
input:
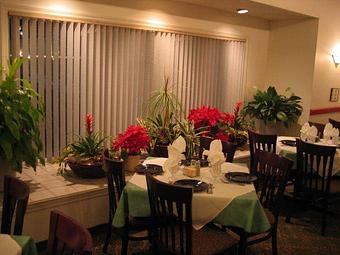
{"x": 160, "y": 150}
{"x": 5, "y": 170}
{"x": 87, "y": 169}
{"x": 131, "y": 162}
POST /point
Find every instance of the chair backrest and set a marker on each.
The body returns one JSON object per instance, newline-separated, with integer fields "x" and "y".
{"x": 67, "y": 236}
{"x": 315, "y": 166}
{"x": 272, "y": 171}
{"x": 261, "y": 142}
{"x": 335, "y": 123}
{"x": 171, "y": 212}
{"x": 16, "y": 193}
{"x": 319, "y": 126}
{"x": 115, "y": 181}
{"x": 228, "y": 148}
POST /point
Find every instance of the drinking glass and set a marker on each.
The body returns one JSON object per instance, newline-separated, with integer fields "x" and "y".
{"x": 173, "y": 172}
{"x": 215, "y": 171}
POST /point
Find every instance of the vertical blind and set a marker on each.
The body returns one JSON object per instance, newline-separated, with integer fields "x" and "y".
{"x": 108, "y": 71}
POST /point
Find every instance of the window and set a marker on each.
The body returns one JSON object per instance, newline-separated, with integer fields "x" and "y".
{"x": 109, "y": 71}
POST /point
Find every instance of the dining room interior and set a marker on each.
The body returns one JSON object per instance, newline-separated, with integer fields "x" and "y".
{"x": 169, "y": 127}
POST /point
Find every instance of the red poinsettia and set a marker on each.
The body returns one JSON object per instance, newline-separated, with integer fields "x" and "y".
{"x": 89, "y": 123}
{"x": 132, "y": 140}
{"x": 205, "y": 116}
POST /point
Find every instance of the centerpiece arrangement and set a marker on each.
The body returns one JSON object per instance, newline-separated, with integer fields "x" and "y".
{"x": 225, "y": 126}
{"x": 84, "y": 156}
{"x": 128, "y": 145}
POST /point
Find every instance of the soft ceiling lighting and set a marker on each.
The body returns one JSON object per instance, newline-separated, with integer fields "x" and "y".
{"x": 336, "y": 55}
{"x": 155, "y": 22}
{"x": 59, "y": 8}
{"x": 242, "y": 11}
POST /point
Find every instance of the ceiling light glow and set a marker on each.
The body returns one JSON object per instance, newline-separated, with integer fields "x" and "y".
{"x": 242, "y": 11}
{"x": 155, "y": 22}
{"x": 59, "y": 8}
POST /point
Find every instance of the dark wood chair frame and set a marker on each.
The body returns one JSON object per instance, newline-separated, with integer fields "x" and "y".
{"x": 171, "y": 210}
{"x": 272, "y": 171}
{"x": 313, "y": 181}
{"x": 335, "y": 123}
{"x": 115, "y": 184}
{"x": 67, "y": 236}
{"x": 16, "y": 193}
{"x": 262, "y": 142}
{"x": 228, "y": 148}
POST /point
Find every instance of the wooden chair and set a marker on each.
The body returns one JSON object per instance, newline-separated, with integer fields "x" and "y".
{"x": 320, "y": 127}
{"x": 67, "y": 236}
{"x": 261, "y": 142}
{"x": 273, "y": 171}
{"x": 16, "y": 193}
{"x": 227, "y": 147}
{"x": 313, "y": 181}
{"x": 133, "y": 225}
{"x": 335, "y": 123}
{"x": 172, "y": 231}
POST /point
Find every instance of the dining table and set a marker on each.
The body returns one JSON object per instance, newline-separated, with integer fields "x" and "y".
{"x": 289, "y": 151}
{"x": 17, "y": 245}
{"x": 229, "y": 204}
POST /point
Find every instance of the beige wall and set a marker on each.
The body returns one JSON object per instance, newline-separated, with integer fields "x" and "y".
{"x": 171, "y": 15}
{"x": 326, "y": 75}
{"x": 291, "y": 55}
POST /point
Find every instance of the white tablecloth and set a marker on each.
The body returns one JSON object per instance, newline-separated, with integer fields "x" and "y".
{"x": 205, "y": 207}
{"x": 284, "y": 149}
{"x": 8, "y": 246}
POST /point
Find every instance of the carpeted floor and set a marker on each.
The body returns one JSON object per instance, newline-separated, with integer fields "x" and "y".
{"x": 300, "y": 237}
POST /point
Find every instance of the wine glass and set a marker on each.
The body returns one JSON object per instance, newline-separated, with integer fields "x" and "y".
{"x": 173, "y": 171}
{"x": 215, "y": 171}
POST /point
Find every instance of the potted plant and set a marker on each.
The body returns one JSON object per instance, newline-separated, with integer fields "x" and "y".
{"x": 216, "y": 124}
{"x": 19, "y": 123}
{"x": 84, "y": 155}
{"x": 272, "y": 108}
{"x": 129, "y": 144}
{"x": 163, "y": 109}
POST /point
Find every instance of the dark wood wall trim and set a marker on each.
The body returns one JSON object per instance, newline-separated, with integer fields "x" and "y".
{"x": 324, "y": 110}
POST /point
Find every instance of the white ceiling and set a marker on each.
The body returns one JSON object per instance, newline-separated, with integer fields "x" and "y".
{"x": 255, "y": 9}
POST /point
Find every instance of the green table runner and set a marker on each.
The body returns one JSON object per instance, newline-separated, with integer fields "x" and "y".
{"x": 244, "y": 211}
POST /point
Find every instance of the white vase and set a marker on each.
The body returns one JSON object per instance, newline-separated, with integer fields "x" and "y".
{"x": 5, "y": 170}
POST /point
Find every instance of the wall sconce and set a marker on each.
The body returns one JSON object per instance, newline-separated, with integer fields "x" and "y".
{"x": 336, "y": 55}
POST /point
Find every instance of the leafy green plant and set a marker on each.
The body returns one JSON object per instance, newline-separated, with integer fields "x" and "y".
{"x": 19, "y": 120}
{"x": 159, "y": 131}
{"x": 271, "y": 107}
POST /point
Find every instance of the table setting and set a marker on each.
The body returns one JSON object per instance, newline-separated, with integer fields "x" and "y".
{"x": 286, "y": 145}
{"x": 219, "y": 195}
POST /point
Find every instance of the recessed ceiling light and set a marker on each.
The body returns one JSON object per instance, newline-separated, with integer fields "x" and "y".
{"x": 242, "y": 11}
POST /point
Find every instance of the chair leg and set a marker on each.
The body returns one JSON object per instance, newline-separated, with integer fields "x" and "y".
{"x": 323, "y": 226}
{"x": 242, "y": 249}
{"x": 125, "y": 242}
{"x": 108, "y": 237}
{"x": 274, "y": 242}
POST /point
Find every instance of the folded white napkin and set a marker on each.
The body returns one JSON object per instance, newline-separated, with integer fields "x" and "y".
{"x": 327, "y": 131}
{"x": 175, "y": 155}
{"x": 312, "y": 134}
{"x": 304, "y": 130}
{"x": 215, "y": 154}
